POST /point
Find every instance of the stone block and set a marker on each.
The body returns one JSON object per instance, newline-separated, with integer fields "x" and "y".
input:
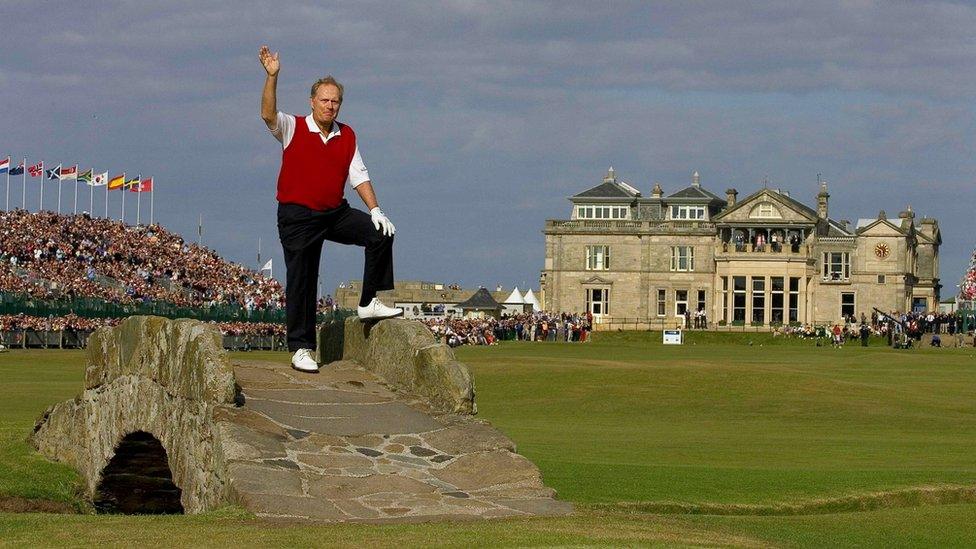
{"x": 330, "y": 338}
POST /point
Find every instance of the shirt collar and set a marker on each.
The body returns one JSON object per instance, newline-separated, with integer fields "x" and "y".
{"x": 314, "y": 128}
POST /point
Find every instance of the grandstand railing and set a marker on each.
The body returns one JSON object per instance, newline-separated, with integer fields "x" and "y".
{"x": 77, "y": 339}
{"x": 13, "y": 304}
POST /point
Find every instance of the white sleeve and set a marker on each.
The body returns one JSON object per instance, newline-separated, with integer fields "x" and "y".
{"x": 284, "y": 128}
{"x": 357, "y": 170}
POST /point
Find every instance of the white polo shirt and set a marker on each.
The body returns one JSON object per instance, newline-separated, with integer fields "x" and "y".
{"x": 285, "y": 129}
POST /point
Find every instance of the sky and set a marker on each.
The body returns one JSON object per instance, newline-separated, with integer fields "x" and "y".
{"x": 477, "y": 120}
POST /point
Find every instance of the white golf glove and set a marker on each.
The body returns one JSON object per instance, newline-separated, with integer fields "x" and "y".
{"x": 380, "y": 219}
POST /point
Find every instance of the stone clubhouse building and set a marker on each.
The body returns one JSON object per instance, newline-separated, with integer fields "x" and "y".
{"x": 762, "y": 260}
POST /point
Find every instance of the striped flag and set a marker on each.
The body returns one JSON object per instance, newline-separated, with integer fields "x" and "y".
{"x": 116, "y": 182}
{"x": 5, "y": 165}
{"x": 68, "y": 173}
{"x": 99, "y": 179}
{"x": 86, "y": 176}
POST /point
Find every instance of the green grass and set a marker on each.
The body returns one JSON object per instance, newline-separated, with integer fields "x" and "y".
{"x": 622, "y": 426}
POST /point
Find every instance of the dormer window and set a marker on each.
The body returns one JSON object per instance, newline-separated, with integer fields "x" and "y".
{"x": 602, "y": 212}
{"x": 765, "y": 210}
{"x": 688, "y": 212}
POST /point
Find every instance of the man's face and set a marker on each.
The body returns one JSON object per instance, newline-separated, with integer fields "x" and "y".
{"x": 325, "y": 105}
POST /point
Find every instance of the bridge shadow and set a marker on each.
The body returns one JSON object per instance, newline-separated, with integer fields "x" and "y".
{"x": 138, "y": 479}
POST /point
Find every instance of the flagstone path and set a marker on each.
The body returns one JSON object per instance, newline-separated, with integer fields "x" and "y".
{"x": 342, "y": 446}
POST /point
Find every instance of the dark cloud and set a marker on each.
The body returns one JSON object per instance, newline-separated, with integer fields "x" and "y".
{"x": 477, "y": 119}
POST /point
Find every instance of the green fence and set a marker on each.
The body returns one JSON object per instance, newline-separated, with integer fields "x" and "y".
{"x": 12, "y": 304}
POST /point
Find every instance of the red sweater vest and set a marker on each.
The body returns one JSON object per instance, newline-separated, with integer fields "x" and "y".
{"x": 313, "y": 174}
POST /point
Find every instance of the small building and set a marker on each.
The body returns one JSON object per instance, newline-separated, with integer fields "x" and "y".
{"x": 480, "y": 305}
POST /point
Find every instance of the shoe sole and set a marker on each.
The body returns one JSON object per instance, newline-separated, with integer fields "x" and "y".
{"x": 315, "y": 371}
{"x": 377, "y": 318}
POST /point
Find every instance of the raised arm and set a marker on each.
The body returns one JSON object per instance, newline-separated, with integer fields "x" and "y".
{"x": 269, "y": 102}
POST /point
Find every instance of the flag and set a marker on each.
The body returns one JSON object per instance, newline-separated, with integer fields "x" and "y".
{"x": 36, "y": 170}
{"x": 69, "y": 173}
{"x": 143, "y": 186}
{"x": 18, "y": 170}
{"x": 131, "y": 182}
{"x": 116, "y": 182}
{"x": 266, "y": 267}
{"x": 5, "y": 165}
{"x": 99, "y": 179}
{"x": 54, "y": 173}
{"x": 86, "y": 176}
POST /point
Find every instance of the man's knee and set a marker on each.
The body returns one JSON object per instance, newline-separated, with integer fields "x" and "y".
{"x": 378, "y": 240}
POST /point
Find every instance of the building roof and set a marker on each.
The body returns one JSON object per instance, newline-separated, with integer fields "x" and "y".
{"x": 530, "y": 298}
{"x": 610, "y": 188}
{"x": 695, "y": 192}
{"x": 480, "y": 301}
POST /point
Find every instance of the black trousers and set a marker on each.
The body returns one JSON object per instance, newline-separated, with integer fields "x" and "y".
{"x": 302, "y": 232}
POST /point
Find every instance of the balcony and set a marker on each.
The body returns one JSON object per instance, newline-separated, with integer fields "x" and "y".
{"x": 747, "y": 249}
{"x": 629, "y": 226}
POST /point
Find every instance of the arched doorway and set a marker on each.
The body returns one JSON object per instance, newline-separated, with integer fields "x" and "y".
{"x": 138, "y": 479}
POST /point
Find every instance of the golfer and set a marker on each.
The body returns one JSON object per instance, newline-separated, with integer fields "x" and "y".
{"x": 319, "y": 158}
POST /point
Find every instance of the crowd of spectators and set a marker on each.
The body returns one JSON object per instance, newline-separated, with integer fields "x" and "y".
{"x": 540, "y": 326}
{"x": 894, "y": 326}
{"x": 51, "y": 256}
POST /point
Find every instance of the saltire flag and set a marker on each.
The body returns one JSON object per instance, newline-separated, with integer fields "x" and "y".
{"x": 143, "y": 186}
{"x": 86, "y": 176}
{"x": 116, "y": 182}
{"x": 54, "y": 173}
{"x": 18, "y": 170}
{"x": 5, "y": 165}
{"x": 99, "y": 179}
{"x": 36, "y": 170}
{"x": 69, "y": 173}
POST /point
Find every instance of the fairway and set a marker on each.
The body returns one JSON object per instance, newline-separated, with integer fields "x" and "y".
{"x": 709, "y": 443}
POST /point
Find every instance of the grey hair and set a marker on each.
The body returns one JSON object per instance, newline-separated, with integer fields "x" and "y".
{"x": 330, "y": 81}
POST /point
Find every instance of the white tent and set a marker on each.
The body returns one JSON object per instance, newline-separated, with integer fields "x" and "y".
{"x": 529, "y": 297}
{"x": 515, "y": 298}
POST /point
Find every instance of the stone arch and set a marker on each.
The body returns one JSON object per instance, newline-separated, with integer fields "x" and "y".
{"x": 138, "y": 479}
{"x": 163, "y": 377}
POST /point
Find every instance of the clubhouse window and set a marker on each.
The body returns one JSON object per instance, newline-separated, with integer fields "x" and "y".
{"x": 680, "y": 302}
{"x": 758, "y": 300}
{"x": 881, "y": 279}
{"x": 794, "y": 299}
{"x": 847, "y": 304}
{"x": 598, "y": 301}
{"x": 776, "y": 299}
{"x": 598, "y": 258}
{"x": 836, "y": 266}
{"x": 688, "y": 212}
{"x": 602, "y": 212}
{"x": 682, "y": 258}
{"x": 662, "y": 302}
{"x": 738, "y": 299}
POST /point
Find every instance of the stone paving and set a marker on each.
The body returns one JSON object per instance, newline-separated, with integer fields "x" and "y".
{"x": 342, "y": 446}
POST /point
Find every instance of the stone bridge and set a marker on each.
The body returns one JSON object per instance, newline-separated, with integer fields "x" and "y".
{"x": 167, "y": 423}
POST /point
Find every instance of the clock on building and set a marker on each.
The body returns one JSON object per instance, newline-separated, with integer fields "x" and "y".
{"x": 882, "y": 250}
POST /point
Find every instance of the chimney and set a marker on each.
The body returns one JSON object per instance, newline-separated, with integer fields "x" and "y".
{"x": 611, "y": 176}
{"x": 846, "y": 223}
{"x": 695, "y": 179}
{"x": 657, "y": 192}
{"x": 822, "y": 201}
{"x": 730, "y": 195}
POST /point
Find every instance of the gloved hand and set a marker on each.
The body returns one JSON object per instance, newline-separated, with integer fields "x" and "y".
{"x": 380, "y": 219}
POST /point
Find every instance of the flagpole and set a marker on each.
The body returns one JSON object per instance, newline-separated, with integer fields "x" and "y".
{"x": 106, "y": 194}
{"x": 152, "y": 192}
{"x": 75, "y": 212}
{"x": 123, "y": 198}
{"x": 259, "y": 252}
{"x": 42, "y": 188}
{"x": 139, "y": 203}
{"x": 59, "y": 192}
{"x": 91, "y": 196}
{"x": 7, "y": 207}
{"x": 24, "y": 198}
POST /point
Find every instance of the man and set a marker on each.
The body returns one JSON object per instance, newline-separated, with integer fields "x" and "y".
{"x": 319, "y": 157}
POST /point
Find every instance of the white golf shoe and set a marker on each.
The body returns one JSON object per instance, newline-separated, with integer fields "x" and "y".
{"x": 377, "y": 311}
{"x": 303, "y": 361}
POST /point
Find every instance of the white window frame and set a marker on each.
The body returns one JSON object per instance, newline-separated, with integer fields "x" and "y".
{"x": 765, "y": 210}
{"x": 678, "y": 301}
{"x": 688, "y": 213}
{"x": 602, "y": 211}
{"x": 841, "y": 268}
{"x": 683, "y": 254}
{"x": 662, "y": 302}
{"x": 598, "y": 257}
{"x": 599, "y": 297}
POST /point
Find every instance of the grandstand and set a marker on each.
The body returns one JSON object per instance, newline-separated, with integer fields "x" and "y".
{"x": 62, "y": 276}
